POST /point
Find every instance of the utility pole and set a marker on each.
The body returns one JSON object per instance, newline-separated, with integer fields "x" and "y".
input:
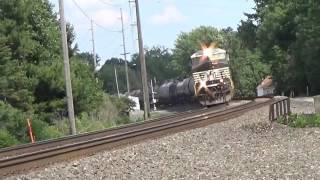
{"x": 93, "y": 47}
{"x": 133, "y": 25}
{"x": 125, "y": 53}
{"x": 116, "y": 77}
{"x": 73, "y": 130}
{"x": 143, "y": 67}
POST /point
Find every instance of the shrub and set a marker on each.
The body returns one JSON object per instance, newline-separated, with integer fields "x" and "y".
{"x": 301, "y": 121}
{"x": 123, "y": 120}
{"x": 14, "y": 121}
{"x": 50, "y": 132}
{"x": 7, "y": 139}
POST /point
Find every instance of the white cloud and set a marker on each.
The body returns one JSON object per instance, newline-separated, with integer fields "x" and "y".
{"x": 106, "y": 17}
{"x": 169, "y": 15}
{"x": 88, "y": 4}
{"x": 102, "y": 14}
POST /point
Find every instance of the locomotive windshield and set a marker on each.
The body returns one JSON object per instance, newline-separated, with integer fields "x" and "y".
{"x": 209, "y": 59}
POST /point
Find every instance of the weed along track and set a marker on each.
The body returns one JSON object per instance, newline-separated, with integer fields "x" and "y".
{"x": 26, "y": 157}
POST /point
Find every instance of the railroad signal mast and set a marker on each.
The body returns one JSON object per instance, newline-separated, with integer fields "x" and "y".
{"x": 153, "y": 98}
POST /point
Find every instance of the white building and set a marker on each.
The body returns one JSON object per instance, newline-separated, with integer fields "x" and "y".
{"x": 136, "y": 100}
{"x": 266, "y": 88}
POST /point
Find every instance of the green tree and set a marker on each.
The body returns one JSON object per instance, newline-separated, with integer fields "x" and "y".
{"x": 71, "y": 36}
{"x": 31, "y": 66}
{"x": 107, "y": 76}
{"x": 188, "y": 43}
{"x": 286, "y": 33}
{"x": 307, "y": 45}
{"x": 87, "y": 58}
{"x": 158, "y": 62}
{"x": 246, "y": 65}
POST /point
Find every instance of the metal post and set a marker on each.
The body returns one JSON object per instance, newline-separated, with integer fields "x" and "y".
{"x": 143, "y": 67}
{"x": 153, "y": 100}
{"x": 270, "y": 113}
{"x": 125, "y": 53}
{"x": 288, "y": 106}
{"x": 280, "y": 104}
{"x": 116, "y": 77}
{"x": 285, "y": 106}
{"x": 93, "y": 47}
{"x": 272, "y": 110}
{"x": 277, "y": 109}
{"x": 67, "y": 69}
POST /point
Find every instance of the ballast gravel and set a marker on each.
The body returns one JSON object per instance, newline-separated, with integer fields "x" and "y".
{"x": 246, "y": 147}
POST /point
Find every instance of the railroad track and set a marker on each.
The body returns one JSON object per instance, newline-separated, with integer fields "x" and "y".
{"x": 25, "y": 157}
{"x": 26, "y": 148}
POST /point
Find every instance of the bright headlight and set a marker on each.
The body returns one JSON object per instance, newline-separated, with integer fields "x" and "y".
{"x": 203, "y": 84}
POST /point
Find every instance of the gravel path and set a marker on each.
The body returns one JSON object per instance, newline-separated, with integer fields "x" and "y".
{"x": 247, "y": 147}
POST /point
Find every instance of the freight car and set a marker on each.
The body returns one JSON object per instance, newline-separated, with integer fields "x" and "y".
{"x": 174, "y": 92}
{"x": 170, "y": 92}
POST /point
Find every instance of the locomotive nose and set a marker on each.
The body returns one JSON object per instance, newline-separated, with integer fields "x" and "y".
{"x": 203, "y": 58}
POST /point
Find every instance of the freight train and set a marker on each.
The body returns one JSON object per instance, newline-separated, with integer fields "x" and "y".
{"x": 210, "y": 83}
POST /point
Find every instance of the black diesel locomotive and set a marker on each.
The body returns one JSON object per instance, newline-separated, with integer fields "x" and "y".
{"x": 212, "y": 78}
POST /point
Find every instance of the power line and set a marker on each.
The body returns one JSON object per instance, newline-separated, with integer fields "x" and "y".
{"x": 106, "y": 29}
{"x": 110, "y": 4}
{"x": 99, "y": 25}
{"x": 89, "y": 18}
{"x": 83, "y": 12}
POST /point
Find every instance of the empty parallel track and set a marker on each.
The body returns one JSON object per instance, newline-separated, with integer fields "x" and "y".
{"x": 25, "y": 157}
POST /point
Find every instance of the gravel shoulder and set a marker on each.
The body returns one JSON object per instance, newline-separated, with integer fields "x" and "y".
{"x": 302, "y": 105}
{"x": 246, "y": 147}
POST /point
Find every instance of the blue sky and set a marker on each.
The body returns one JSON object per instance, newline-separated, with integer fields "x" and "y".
{"x": 162, "y": 21}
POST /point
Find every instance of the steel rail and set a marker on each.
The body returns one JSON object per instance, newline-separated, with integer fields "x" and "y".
{"x": 25, "y": 148}
{"x": 144, "y": 131}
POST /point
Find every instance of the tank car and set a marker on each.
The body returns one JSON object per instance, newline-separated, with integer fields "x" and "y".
{"x": 167, "y": 92}
{"x": 212, "y": 78}
{"x": 185, "y": 88}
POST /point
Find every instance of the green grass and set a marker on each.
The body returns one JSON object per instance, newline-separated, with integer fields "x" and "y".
{"x": 301, "y": 121}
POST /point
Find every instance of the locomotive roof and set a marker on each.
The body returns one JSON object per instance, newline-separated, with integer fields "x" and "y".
{"x": 267, "y": 82}
{"x": 213, "y": 51}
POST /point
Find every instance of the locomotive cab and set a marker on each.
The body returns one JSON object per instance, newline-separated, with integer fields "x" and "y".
{"x": 212, "y": 78}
